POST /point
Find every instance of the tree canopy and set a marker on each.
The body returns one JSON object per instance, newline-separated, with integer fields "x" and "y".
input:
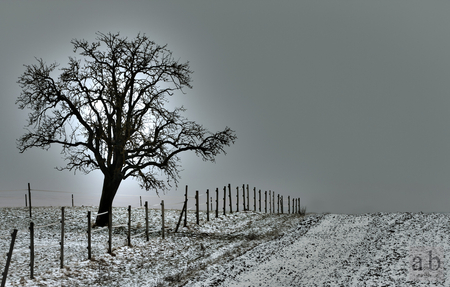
{"x": 109, "y": 112}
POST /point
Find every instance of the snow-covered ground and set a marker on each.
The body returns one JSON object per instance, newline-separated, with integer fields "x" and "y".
{"x": 158, "y": 262}
{"x": 239, "y": 249}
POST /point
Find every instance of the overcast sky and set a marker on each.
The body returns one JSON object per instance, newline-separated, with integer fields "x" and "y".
{"x": 345, "y": 104}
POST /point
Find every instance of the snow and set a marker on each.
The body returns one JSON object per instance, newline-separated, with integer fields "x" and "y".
{"x": 239, "y": 249}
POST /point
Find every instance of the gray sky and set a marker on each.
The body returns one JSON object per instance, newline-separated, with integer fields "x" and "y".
{"x": 342, "y": 103}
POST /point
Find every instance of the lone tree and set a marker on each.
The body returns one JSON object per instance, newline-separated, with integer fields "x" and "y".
{"x": 108, "y": 112}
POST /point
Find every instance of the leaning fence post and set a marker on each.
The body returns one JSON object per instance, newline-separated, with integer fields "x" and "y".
{"x": 31, "y": 250}
{"x": 197, "y": 215}
{"x": 8, "y": 259}
{"x": 89, "y": 235}
{"x": 162, "y": 218}
{"x": 129, "y": 226}
{"x": 146, "y": 220}
{"x": 62, "y": 237}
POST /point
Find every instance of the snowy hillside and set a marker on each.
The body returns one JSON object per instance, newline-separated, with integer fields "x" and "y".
{"x": 241, "y": 249}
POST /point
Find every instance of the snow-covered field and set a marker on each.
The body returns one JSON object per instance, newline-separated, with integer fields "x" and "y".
{"x": 239, "y": 249}
{"x": 158, "y": 262}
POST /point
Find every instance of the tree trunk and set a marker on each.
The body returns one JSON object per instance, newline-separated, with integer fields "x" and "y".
{"x": 110, "y": 187}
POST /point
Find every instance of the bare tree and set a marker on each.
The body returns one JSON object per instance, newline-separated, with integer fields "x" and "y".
{"x": 108, "y": 112}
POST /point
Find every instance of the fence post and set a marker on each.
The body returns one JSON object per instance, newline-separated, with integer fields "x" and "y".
{"x": 181, "y": 215}
{"x": 129, "y": 226}
{"x": 278, "y": 203}
{"x": 162, "y": 219}
{"x": 31, "y": 250}
{"x": 248, "y": 199}
{"x": 259, "y": 200}
{"x": 26, "y": 203}
{"x": 110, "y": 230}
{"x": 185, "y": 210}
{"x": 224, "y": 199}
{"x": 270, "y": 201}
{"x": 237, "y": 198}
{"x": 29, "y": 197}
{"x": 146, "y": 220}
{"x": 62, "y": 237}
{"x": 89, "y": 235}
{"x": 197, "y": 215}
{"x": 72, "y": 201}
{"x": 265, "y": 201}
{"x": 9, "y": 254}
{"x": 243, "y": 196}
{"x": 254, "y": 198}
{"x": 289, "y": 204}
{"x": 217, "y": 202}
{"x": 229, "y": 195}
{"x": 207, "y": 205}
{"x": 282, "y": 204}
{"x": 140, "y": 200}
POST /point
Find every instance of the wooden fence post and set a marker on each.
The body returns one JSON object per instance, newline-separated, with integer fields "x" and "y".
{"x": 278, "y": 204}
{"x": 273, "y": 201}
{"x": 270, "y": 201}
{"x": 217, "y": 202}
{"x": 224, "y": 199}
{"x": 254, "y": 198}
{"x": 29, "y": 197}
{"x": 62, "y": 238}
{"x": 181, "y": 215}
{"x": 243, "y": 196}
{"x": 207, "y": 205}
{"x": 237, "y": 198}
{"x": 72, "y": 201}
{"x": 185, "y": 210}
{"x": 229, "y": 195}
{"x": 259, "y": 200}
{"x": 31, "y": 250}
{"x": 89, "y": 235}
{"x": 110, "y": 230}
{"x": 265, "y": 201}
{"x": 197, "y": 215}
{"x": 282, "y": 204}
{"x": 8, "y": 259}
{"x": 140, "y": 200}
{"x": 26, "y": 203}
{"x": 129, "y": 226}
{"x": 289, "y": 204}
{"x": 248, "y": 198}
{"x": 146, "y": 220}
{"x": 162, "y": 219}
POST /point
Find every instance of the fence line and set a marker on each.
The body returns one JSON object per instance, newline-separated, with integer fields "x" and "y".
{"x": 257, "y": 201}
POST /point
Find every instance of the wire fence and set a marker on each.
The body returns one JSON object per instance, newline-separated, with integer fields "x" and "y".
{"x": 84, "y": 242}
